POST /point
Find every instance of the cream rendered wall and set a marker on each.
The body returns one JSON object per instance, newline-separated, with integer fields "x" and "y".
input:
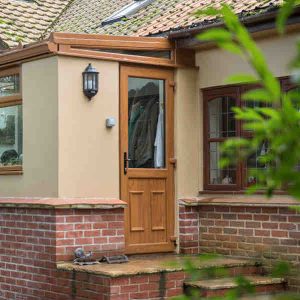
{"x": 40, "y": 128}
{"x": 187, "y": 128}
{"x": 216, "y": 65}
{"x": 88, "y": 151}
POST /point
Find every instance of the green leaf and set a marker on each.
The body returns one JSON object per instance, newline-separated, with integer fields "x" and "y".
{"x": 247, "y": 114}
{"x": 216, "y": 35}
{"x": 259, "y": 95}
{"x": 284, "y": 13}
{"x": 269, "y": 112}
{"x": 231, "y": 48}
{"x": 272, "y": 84}
{"x": 240, "y": 78}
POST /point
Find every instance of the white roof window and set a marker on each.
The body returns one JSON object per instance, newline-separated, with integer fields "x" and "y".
{"x": 126, "y": 11}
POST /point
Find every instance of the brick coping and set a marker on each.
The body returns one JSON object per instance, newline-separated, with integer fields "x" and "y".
{"x": 280, "y": 201}
{"x": 153, "y": 265}
{"x": 62, "y": 203}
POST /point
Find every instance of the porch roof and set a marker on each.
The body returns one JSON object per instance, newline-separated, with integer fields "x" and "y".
{"x": 114, "y": 48}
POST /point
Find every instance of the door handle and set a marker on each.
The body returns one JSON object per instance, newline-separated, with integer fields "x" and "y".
{"x": 126, "y": 161}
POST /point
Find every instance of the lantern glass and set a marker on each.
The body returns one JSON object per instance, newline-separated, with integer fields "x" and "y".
{"x": 90, "y": 85}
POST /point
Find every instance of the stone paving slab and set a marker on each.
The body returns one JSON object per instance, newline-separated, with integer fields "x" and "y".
{"x": 228, "y": 283}
{"x": 152, "y": 264}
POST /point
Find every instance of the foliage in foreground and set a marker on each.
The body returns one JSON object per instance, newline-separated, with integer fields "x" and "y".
{"x": 276, "y": 120}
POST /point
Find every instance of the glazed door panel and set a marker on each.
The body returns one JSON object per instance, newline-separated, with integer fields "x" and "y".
{"x": 146, "y": 156}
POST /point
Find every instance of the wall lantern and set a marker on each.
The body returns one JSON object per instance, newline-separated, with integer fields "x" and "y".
{"x": 90, "y": 81}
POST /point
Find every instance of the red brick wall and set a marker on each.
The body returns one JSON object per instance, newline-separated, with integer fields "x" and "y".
{"x": 32, "y": 240}
{"x": 100, "y": 231}
{"x": 270, "y": 233}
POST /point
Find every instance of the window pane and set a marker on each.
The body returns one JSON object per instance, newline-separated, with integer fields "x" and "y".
{"x": 11, "y": 136}
{"x": 9, "y": 85}
{"x": 255, "y": 164}
{"x": 221, "y": 117}
{"x": 217, "y": 175}
{"x": 158, "y": 54}
{"x": 146, "y": 123}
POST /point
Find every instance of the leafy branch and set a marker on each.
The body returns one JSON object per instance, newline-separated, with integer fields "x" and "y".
{"x": 277, "y": 120}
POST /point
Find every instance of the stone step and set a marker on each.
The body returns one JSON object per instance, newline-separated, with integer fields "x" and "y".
{"x": 154, "y": 276}
{"x": 220, "y": 286}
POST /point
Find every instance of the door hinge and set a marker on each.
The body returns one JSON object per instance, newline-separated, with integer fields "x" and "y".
{"x": 172, "y": 84}
{"x": 173, "y": 161}
{"x": 174, "y": 240}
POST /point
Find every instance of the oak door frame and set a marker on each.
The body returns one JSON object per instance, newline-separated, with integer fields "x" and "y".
{"x": 155, "y": 73}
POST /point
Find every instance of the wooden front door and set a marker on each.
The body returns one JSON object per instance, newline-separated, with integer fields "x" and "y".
{"x": 146, "y": 158}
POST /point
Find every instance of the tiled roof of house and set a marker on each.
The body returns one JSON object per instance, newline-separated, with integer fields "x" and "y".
{"x": 158, "y": 17}
{"x": 32, "y": 20}
{"x": 2, "y": 45}
{"x": 84, "y": 16}
{"x": 26, "y": 20}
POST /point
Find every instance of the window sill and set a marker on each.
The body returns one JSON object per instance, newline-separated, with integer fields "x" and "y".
{"x": 14, "y": 170}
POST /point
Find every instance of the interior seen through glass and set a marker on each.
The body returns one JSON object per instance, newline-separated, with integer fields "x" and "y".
{"x": 221, "y": 117}
{"x": 146, "y": 123}
{"x": 254, "y": 163}
{"x": 11, "y": 144}
{"x": 221, "y": 125}
{"x": 9, "y": 85}
{"x": 217, "y": 175}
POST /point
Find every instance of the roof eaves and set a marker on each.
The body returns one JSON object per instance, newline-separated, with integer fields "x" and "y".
{"x": 30, "y": 51}
{"x": 248, "y": 18}
{"x": 185, "y": 38}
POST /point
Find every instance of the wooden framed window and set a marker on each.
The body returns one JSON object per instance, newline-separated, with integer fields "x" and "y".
{"x": 11, "y": 122}
{"x": 220, "y": 124}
